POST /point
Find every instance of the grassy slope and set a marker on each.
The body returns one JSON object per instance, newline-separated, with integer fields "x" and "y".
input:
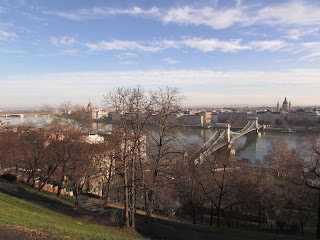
{"x": 17, "y": 212}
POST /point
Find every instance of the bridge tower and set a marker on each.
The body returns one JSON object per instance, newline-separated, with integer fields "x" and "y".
{"x": 226, "y": 127}
{"x": 256, "y": 124}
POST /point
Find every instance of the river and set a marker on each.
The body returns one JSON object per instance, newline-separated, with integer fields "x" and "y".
{"x": 37, "y": 120}
{"x": 253, "y": 146}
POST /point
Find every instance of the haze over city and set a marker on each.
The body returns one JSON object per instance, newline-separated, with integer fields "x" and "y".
{"x": 216, "y": 52}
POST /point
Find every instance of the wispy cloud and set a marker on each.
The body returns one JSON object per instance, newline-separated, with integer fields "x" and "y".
{"x": 71, "y": 52}
{"x": 127, "y": 62}
{"x": 62, "y": 41}
{"x": 79, "y": 15}
{"x": 208, "y": 45}
{"x": 171, "y": 61}
{"x": 100, "y": 12}
{"x": 204, "y": 45}
{"x": 134, "y": 11}
{"x": 305, "y": 14}
{"x": 130, "y": 45}
{"x": 4, "y": 36}
{"x": 125, "y": 55}
{"x": 312, "y": 49}
{"x": 215, "y": 18}
{"x": 298, "y": 13}
{"x": 297, "y": 33}
{"x": 268, "y": 45}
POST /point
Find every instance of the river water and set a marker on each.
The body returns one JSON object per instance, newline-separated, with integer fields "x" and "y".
{"x": 253, "y": 146}
{"x": 37, "y": 120}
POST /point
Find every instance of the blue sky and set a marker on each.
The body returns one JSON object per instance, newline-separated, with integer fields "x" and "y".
{"x": 218, "y": 52}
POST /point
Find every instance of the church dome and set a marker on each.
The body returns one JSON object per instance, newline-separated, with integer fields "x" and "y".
{"x": 90, "y": 105}
{"x": 285, "y": 101}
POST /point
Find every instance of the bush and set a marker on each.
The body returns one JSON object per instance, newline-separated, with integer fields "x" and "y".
{"x": 9, "y": 177}
{"x": 294, "y": 228}
{"x": 281, "y": 225}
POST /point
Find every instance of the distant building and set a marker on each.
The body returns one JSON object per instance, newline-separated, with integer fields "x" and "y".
{"x": 206, "y": 117}
{"x": 270, "y": 117}
{"x": 298, "y": 117}
{"x": 214, "y": 117}
{"x": 95, "y": 113}
{"x": 193, "y": 120}
{"x": 285, "y": 105}
{"x": 227, "y": 115}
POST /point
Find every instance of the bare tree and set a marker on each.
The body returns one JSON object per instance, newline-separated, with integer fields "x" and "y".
{"x": 188, "y": 192}
{"x": 162, "y": 144}
{"x": 79, "y": 167}
{"x": 32, "y": 144}
{"x": 10, "y": 155}
{"x": 305, "y": 168}
{"x": 278, "y": 156}
{"x": 215, "y": 179}
{"x": 132, "y": 109}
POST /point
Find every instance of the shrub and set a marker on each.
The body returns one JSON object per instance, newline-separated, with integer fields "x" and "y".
{"x": 294, "y": 228}
{"x": 281, "y": 225}
{"x": 9, "y": 177}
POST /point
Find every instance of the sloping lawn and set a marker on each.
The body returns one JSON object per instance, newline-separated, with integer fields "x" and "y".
{"x": 17, "y": 212}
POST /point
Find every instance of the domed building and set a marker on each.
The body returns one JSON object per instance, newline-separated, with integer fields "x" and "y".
{"x": 90, "y": 106}
{"x": 95, "y": 113}
{"x": 286, "y": 106}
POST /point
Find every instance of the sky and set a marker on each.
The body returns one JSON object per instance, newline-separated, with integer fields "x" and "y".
{"x": 216, "y": 52}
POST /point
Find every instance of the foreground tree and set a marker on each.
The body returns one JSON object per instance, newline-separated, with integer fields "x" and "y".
{"x": 188, "y": 192}
{"x": 279, "y": 156}
{"x": 162, "y": 145}
{"x": 305, "y": 168}
{"x": 132, "y": 109}
{"x": 215, "y": 178}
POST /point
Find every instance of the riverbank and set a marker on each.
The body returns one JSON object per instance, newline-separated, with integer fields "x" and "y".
{"x": 291, "y": 129}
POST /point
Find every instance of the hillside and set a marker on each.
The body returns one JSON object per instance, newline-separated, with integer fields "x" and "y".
{"x": 25, "y": 217}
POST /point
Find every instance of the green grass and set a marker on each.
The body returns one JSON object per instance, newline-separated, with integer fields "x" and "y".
{"x": 17, "y": 212}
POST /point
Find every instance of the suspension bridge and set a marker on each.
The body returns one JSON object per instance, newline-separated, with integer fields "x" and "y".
{"x": 223, "y": 136}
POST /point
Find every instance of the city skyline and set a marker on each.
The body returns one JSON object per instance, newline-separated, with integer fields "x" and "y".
{"x": 237, "y": 52}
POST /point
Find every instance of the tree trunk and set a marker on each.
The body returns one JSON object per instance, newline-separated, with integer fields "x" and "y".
{"x": 218, "y": 217}
{"x": 126, "y": 198}
{"x": 194, "y": 215}
{"x": 148, "y": 204}
{"x": 43, "y": 184}
{"x": 211, "y": 215}
{"x": 259, "y": 212}
{"x": 76, "y": 202}
{"x": 318, "y": 223}
{"x": 133, "y": 196}
{"x": 60, "y": 185}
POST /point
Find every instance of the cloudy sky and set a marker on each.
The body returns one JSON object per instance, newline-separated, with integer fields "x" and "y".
{"x": 218, "y": 52}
